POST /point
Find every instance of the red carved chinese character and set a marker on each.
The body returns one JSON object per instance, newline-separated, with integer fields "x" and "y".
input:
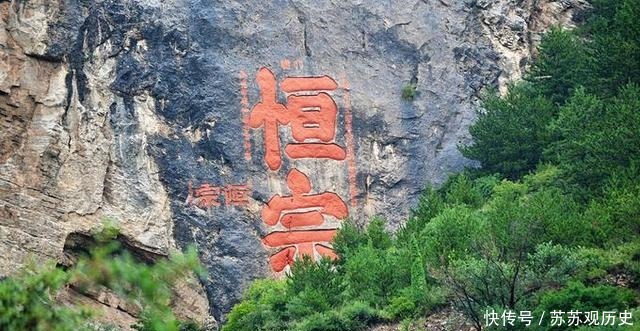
{"x": 269, "y": 113}
{"x": 236, "y": 195}
{"x": 311, "y": 113}
{"x": 301, "y": 241}
{"x": 285, "y": 64}
{"x": 298, "y": 210}
{"x": 204, "y": 197}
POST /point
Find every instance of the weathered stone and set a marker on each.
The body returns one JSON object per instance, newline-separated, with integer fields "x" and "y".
{"x": 125, "y": 109}
{"x": 515, "y": 27}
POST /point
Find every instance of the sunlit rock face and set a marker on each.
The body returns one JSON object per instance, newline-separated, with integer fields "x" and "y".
{"x": 249, "y": 130}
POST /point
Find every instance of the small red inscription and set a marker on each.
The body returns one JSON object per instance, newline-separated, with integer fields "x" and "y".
{"x": 207, "y": 195}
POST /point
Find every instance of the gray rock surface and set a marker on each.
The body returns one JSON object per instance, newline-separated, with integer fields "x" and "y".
{"x": 117, "y": 108}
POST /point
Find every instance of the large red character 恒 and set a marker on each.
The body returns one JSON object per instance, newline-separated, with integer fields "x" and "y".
{"x": 309, "y": 111}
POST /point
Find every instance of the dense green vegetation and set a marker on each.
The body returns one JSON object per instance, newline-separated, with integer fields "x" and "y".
{"x": 28, "y": 300}
{"x": 551, "y": 219}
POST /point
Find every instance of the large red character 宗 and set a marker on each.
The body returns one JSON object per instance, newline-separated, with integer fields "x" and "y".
{"x": 300, "y": 209}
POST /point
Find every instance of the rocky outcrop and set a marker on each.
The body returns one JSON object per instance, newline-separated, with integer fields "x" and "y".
{"x": 63, "y": 167}
{"x": 515, "y": 28}
{"x": 145, "y": 112}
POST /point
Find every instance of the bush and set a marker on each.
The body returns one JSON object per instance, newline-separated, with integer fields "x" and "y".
{"x": 459, "y": 189}
{"x": 358, "y": 315}
{"x": 576, "y": 296}
{"x": 263, "y": 308}
{"x": 615, "y": 217}
{"x": 327, "y": 321}
{"x": 430, "y": 204}
{"x": 369, "y": 276}
{"x": 148, "y": 285}
{"x": 27, "y": 300}
{"x": 348, "y": 240}
{"x": 453, "y": 234}
{"x": 619, "y": 265}
{"x": 522, "y": 216}
{"x": 409, "y": 92}
{"x": 273, "y": 305}
{"x": 353, "y": 317}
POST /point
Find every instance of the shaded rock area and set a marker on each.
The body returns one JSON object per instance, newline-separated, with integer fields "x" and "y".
{"x": 127, "y": 109}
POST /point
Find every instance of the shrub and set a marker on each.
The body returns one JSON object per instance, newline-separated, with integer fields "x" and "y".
{"x": 348, "y": 240}
{"x": 326, "y": 321}
{"x": 579, "y": 297}
{"x": 616, "y": 264}
{"x": 453, "y": 234}
{"x": 321, "y": 277}
{"x": 615, "y": 217}
{"x": 353, "y": 317}
{"x": 261, "y": 309}
{"x": 148, "y": 285}
{"x": 368, "y": 276}
{"x": 358, "y": 315}
{"x": 27, "y": 300}
{"x": 459, "y": 189}
{"x": 430, "y": 204}
{"x": 409, "y": 92}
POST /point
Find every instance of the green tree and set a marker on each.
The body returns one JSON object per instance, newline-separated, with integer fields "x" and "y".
{"x": 596, "y": 139}
{"x": 564, "y": 63}
{"x": 615, "y": 218}
{"x": 506, "y": 282}
{"x": 453, "y": 234}
{"x": 614, "y": 31}
{"x": 348, "y": 240}
{"x": 511, "y": 134}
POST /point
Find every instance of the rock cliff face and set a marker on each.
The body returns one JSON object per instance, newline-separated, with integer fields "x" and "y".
{"x": 248, "y": 129}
